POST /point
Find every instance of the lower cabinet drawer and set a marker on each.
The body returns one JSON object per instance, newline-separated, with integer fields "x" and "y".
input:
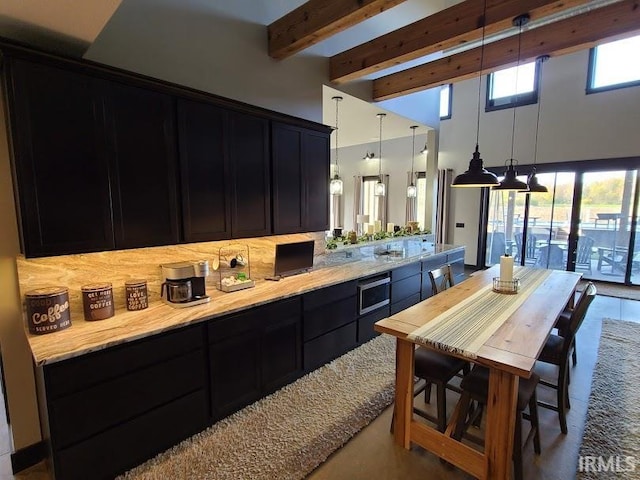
{"x": 78, "y": 416}
{"x": 331, "y": 345}
{"x": 328, "y": 317}
{"x": 405, "y": 288}
{"x": 406, "y": 303}
{"x": 365, "y": 324}
{"x": 120, "y": 448}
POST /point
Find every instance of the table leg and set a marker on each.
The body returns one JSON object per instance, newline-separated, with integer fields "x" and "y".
{"x": 501, "y": 417}
{"x": 404, "y": 392}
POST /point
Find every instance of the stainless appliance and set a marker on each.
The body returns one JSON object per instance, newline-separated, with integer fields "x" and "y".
{"x": 373, "y": 293}
{"x": 184, "y": 283}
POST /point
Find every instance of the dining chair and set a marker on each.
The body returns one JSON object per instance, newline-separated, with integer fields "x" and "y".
{"x": 562, "y": 326}
{"x": 437, "y": 368}
{"x": 475, "y": 387}
{"x": 556, "y": 351}
{"x": 441, "y": 278}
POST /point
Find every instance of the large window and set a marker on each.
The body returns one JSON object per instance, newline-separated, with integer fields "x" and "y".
{"x": 446, "y": 92}
{"x": 421, "y": 204}
{"x": 512, "y": 87}
{"x": 370, "y": 203}
{"x": 614, "y": 65}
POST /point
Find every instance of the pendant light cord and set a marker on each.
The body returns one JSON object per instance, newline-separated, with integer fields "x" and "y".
{"x": 484, "y": 24}
{"x": 380, "y": 116}
{"x": 337, "y": 99}
{"x": 413, "y": 150}
{"x": 521, "y": 20}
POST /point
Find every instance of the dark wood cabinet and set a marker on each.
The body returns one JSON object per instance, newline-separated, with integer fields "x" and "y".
{"x": 456, "y": 260}
{"x": 250, "y": 176}
{"x": 106, "y": 159}
{"x": 204, "y": 170}
{"x": 329, "y": 323}
{"x": 406, "y": 283}
{"x": 316, "y": 155}
{"x": 252, "y": 353}
{"x": 300, "y": 159}
{"x": 140, "y": 132}
{"x": 59, "y": 159}
{"x": 108, "y": 411}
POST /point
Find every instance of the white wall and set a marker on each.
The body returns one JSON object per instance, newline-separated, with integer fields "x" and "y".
{"x": 215, "y": 49}
{"x": 573, "y": 126}
{"x": 396, "y": 163}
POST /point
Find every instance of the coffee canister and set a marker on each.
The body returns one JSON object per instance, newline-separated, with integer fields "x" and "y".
{"x": 97, "y": 300}
{"x": 136, "y": 294}
{"x": 48, "y": 310}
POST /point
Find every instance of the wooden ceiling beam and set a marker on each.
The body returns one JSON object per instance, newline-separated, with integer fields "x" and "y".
{"x": 564, "y": 36}
{"x": 317, "y": 20}
{"x": 445, "y": 29}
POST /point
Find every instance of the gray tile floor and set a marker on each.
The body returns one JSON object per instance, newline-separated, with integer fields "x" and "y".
{"x": 371, "y": 454}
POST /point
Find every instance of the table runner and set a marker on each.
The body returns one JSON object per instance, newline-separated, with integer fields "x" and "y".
{"x": 463, "y": 329}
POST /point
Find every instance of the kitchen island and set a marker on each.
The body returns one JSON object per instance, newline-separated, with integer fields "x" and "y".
{"x": 113, "y": 393}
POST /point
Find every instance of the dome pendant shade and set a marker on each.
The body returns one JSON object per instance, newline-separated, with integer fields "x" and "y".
{"x": 412, "y": 191}
{"x": 379, "y": 190}
{"x": 476, "y": 175}
{"x": 511, "y": 182}
{"x": 534, "y": 186}
{"x": 335, "y": 187}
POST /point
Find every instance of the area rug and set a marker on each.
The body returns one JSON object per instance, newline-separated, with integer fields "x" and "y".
{"x": 289, "y": 433}
{"x": 614, "y": 290}
{"x": 611, "y": 442}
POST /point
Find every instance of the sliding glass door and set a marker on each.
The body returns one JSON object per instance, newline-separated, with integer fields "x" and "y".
{"x": 587, "y": 223}
{"x": 533, "y": 228}
{"x": 606, "y": 249}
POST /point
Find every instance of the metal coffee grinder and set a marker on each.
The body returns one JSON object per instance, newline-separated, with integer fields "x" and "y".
{"x": 184, "y": 283}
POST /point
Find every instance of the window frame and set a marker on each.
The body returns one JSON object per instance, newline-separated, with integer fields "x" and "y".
{"x": 450, "y": 107}
{"x": 517, "y": 100}
{"x": 591, "y": 73}
{"x": 372, "y": 215}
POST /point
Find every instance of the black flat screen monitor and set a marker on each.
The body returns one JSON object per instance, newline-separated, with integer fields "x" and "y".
{"x": 293, "y": 258}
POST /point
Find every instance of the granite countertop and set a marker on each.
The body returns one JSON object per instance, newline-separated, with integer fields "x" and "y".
{"x": 335, "y": 267}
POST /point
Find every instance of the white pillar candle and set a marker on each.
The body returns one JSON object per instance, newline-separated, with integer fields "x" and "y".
{"x": 390, "y": 227}
{"x": 378, "y": 226}
{"x": 506, "y": 268}
{"x": 369, "y": 228}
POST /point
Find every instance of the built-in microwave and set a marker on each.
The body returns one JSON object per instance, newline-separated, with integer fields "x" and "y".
{"x": 373, "y": 293}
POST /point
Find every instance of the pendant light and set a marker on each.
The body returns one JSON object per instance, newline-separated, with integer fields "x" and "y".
{"x": 511, "y": 182}
{"x": 380, "y": 190}
{"x": 532, "y": 180}
{"x": 335, "y": 187}
{"x": 412, "y": 191}
{"x": 476, "y": 175}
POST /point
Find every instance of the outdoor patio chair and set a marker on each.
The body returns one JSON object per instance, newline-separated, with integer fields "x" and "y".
{"x": 550, "y": 256}
{"x": 583, "y": 254}
{"x": 556, "y": 352}
{"x": 530, "y": 249}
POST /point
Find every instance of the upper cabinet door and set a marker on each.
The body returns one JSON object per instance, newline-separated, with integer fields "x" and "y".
{"x": 204, "y": 171}
{"x": 250, "y": 175}
{"x": 316, "y": 172}
{"x": 62, "y": 178}
{"x": 300, "y": 179}
{"x": 141, "y": 135}
{"x": 288, "y": 179}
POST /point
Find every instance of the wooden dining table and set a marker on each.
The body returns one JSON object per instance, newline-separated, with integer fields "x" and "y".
{"x": 510, "y": 353}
